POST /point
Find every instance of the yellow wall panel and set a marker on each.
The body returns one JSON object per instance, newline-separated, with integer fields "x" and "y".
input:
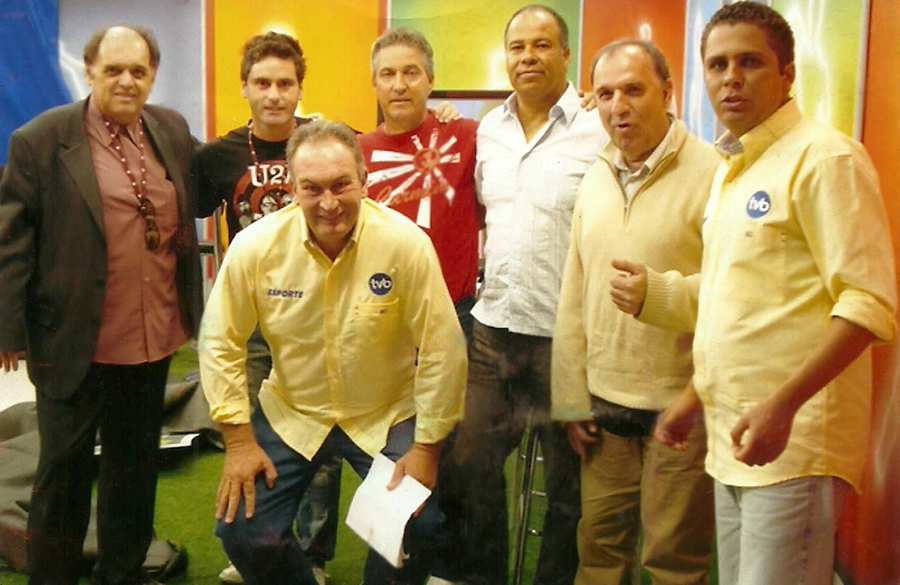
{"x": 335, "y": 35}
{"x": 829, "y": 36}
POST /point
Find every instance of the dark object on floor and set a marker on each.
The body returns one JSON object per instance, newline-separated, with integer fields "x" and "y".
{"x": 19, "y": 448}
{"x": 165, "y": 559}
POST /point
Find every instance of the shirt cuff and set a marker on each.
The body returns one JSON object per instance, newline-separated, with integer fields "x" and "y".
{"x": 864, "y": 310}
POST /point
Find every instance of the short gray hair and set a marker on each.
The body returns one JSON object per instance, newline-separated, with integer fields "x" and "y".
{"x": 322, "y": 130}
{"x": 409, "y": 37}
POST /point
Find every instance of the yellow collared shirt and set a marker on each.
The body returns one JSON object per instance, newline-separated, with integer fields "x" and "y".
{"x": 795, "y": 234}
{"x": 364, "y": 343}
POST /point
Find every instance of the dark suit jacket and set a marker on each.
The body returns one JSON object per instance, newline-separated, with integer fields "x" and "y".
{"x": 53, "y": 247}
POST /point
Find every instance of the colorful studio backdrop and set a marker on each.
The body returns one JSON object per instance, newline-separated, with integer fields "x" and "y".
{"x": 848, "y": 59}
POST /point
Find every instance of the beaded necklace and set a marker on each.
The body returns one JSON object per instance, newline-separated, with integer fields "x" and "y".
{"x": 144, "y": 206}
{"x": 253, "y": 156}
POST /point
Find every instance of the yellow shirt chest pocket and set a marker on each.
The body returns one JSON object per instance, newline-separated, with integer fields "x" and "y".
{"x": 758, "y": 264}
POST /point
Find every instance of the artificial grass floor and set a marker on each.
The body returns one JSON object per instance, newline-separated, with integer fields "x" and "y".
{"x": 185, "y": 514}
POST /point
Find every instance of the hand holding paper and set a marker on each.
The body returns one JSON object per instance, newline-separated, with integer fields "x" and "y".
{"x": 379, "y": 516}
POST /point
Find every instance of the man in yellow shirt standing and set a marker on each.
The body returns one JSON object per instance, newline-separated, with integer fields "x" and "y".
{"x": 797, "y": 281}
{"x": 367, "y": 357}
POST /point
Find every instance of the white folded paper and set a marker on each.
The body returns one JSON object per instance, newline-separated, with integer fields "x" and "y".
{"x": 379, "y": 516}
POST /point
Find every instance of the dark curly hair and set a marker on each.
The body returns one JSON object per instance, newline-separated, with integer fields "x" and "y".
{"x": 273, "y": 44}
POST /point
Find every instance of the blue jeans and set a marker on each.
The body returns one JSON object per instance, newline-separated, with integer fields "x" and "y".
{"x": 318, "y": 511}
{"x": 780, "y": 534}
{"x": 265, "y": 550}
{"x": 509, "y": 374}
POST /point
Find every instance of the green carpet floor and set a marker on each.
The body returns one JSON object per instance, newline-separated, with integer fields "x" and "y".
{"x": 185, "y": 514}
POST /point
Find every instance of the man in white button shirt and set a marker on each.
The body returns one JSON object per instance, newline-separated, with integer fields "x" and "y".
{"x": 531, "y": 155}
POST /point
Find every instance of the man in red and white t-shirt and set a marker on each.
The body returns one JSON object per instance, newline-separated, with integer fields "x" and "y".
{"x": 423, "y": 168}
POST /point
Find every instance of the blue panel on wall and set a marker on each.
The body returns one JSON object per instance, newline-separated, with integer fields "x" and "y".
{"x": 30, "y": 80}
{"x": 698, "y": 114}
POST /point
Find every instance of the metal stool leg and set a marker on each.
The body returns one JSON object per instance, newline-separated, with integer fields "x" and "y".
{"x": 529, "y": 460}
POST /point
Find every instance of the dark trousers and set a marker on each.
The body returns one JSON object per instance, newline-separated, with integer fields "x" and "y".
{"x": 464, "y": 313}
{"x": 265, "y": 549}
{"x": 125, "y": 403}
{"x": 450, "y": 490}
{"x": 509, "y": 374}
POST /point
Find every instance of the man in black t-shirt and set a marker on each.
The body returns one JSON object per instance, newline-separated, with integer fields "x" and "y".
{"x": 246, "y": 170}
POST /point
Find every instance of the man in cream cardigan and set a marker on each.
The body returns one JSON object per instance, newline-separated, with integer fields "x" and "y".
{"x": 612, "y": 374}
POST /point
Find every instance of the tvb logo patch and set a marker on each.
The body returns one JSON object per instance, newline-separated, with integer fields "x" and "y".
{"x": 380, "y": 284}
{"x": 759, "y": 204}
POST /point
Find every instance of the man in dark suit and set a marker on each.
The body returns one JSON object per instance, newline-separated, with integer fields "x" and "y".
{"x": 99, "y": 285}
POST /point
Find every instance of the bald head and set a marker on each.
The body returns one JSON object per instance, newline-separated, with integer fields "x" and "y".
{"x": 120, "y": 71}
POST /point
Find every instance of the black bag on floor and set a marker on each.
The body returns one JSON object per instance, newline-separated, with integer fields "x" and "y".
{"x": 19, "y": 449}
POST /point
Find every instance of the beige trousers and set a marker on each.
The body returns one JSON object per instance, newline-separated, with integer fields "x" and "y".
{"x": 638, "y": 486}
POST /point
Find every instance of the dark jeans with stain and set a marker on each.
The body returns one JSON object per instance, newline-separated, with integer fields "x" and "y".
{"x": 509, "y": 375}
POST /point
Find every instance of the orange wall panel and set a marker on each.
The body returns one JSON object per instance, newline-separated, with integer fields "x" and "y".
{"x": 660, "y": 21}
{"x": 869, "y": 544}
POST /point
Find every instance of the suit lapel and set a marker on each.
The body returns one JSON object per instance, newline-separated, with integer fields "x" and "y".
{"x": 171, "y": 162}
{"x": 164, "y": 150}
{"x": 76, "y": 157}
